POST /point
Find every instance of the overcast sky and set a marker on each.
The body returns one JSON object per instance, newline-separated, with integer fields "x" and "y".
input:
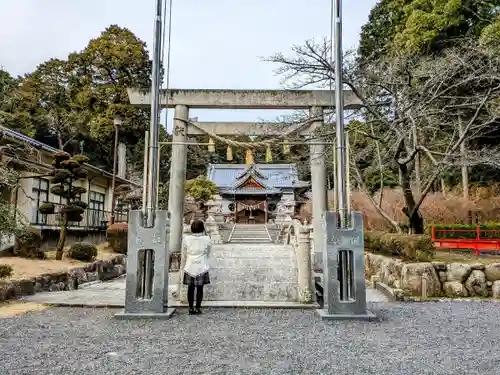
{"x": 215, "y": 43}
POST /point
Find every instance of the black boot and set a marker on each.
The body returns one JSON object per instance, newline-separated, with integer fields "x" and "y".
{"x": 199, "y": 299}
{"x": 190, "y": 296}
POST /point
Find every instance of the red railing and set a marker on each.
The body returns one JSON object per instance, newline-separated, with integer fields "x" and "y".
{"x": 480, "y": 242}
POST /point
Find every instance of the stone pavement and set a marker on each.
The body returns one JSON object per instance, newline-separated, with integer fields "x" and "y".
{"x": 112, "y": 294}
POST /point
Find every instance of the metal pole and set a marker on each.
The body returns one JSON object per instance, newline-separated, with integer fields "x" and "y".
{"x": 113, "y": 183}
{"x": 155, "y": 112}
{"x": 348, "y": 171}
{"x": 145, "y": 175}
{"x": 155, "y": 109}
{"x": 158, "y": 172}
{"x": 335, "y": 185}
{"x": 339, "y": 108}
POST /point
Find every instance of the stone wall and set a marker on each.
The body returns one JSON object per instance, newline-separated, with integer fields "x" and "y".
{"x": 435, "y": 279}
{"x": 65, "y": 280}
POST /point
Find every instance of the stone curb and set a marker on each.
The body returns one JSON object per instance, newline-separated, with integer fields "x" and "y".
{"x": 450, "y": 300}
{"x": 99, "y": 270}
{"x": 207, "y": 304}
{"x": 394, "y": 295}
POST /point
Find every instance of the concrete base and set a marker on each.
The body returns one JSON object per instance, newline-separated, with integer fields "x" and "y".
{"x": 145, "y": 315}
{"x": 367, "y": 316}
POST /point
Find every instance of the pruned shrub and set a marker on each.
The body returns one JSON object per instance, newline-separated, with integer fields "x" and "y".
{"x": 465, "y": 231}
{"x": 83, "y": 251}
{"x": 6, "y": 270}
{"x": 28, "y": 244}
{"x": 47, "y": 208}
{"x": 409, "y": 247}
{"x": 117, "y": 237}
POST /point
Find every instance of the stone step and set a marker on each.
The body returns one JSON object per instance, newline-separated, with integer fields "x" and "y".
{"x": 261, "y": 254}
{"x": 253, "y": 249}
{"x": 251, "y": 291}
{"x": 250, "y": 247}
{"x": 250, "y": 226}
{"x": 250, "y": 234}
{"x": 250, "y": 229}
{"x": 246, "y": 237}
{"x": 252, "y": 272}
{"x": 258, "y": 275}
{"x": 234, "y": 262}
{"x": 264, "y": 260}
{"x": 249, "y": 241}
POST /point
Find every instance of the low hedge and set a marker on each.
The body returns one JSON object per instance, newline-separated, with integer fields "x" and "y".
{"x": 6, "y": 270}
{"x": 83, "y": 251}
{"x": 466, "y": 231}
{"x": 409, "y": 247}
{"x": 28, "y": 244}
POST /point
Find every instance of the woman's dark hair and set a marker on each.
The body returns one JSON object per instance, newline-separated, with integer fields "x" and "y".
{"x": 197, "y": 226}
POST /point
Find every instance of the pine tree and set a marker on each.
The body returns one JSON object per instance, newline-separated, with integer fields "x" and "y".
{"x": 68, "y": 170}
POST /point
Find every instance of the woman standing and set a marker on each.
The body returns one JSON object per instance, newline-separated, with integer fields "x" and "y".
{"x": 197, "y": 248}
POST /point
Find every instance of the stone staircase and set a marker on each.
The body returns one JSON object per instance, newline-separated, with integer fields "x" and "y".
{"x": 249, "y": 233}
{"x": 253, "y": 272}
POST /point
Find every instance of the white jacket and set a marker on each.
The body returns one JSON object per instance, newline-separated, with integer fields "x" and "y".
{"x": 197, "y": 248}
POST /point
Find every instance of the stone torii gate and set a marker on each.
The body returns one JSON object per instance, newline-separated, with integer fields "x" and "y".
{"x": 182, "y": 100}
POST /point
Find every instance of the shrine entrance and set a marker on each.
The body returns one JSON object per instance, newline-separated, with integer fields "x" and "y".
{"x": 251, "y": 211}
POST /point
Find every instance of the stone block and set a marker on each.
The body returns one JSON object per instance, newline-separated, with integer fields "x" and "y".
{"x": 492, "y": 271}
{"x": 411, "y": 279}
{"x": 495, "y": 289}
{"x": 455, "y": 289}
{"x": 458, "y": 272}
{"x": 476, "y": 284}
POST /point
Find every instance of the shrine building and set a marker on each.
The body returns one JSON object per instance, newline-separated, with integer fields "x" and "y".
{"x": 257, "y": 193}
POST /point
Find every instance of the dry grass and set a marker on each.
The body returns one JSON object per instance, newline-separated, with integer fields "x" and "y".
{"x": 14, "y": 308}
{"x": 28, "y": 268}
{"x": 451, "y": 208}
{"x": 464, "y": 257}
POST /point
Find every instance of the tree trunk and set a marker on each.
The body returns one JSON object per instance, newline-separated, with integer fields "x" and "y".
{"x": 416, "y": 223}
{"x": 59, "y": 141}
{"x": 418, "y": 180}
{"x": 465, "y": 172}
{"x": 62, "y": 238}
{"x": 415, "y": 220}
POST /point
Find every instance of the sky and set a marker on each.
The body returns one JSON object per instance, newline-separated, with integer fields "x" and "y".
{"x": 215, "y": 44}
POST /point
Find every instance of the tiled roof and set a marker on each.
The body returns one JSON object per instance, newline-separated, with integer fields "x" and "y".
{"x": 250, "y": 191}
{"x": 22, "y": 138}
{"x": 276, "y": 175}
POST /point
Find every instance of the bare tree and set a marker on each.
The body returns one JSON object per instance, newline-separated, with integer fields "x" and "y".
{"x": 412, "y": 108}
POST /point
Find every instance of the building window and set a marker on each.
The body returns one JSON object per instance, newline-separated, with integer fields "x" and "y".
{"x": 96, "y": 209}
{"x": 40, "y": 195}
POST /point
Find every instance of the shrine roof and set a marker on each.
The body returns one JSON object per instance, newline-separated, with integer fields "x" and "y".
{"x": 271, "y": 176}
{"x": 250, "y": 191}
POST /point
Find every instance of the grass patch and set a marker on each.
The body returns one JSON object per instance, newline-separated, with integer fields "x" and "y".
{"x": 464, "y": 257}
{"x": 15, "y": 308}
{"x": 453, "y": 256}
{"x": 28, "y": 268}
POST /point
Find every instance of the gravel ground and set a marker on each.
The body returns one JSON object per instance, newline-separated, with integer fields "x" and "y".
{"x": 432, "y": 338}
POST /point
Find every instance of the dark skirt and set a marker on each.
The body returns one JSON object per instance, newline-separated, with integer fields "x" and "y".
{"x": 199, "y": 280}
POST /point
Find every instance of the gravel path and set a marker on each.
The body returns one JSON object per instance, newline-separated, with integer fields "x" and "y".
{"x": 433, "y": 338}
